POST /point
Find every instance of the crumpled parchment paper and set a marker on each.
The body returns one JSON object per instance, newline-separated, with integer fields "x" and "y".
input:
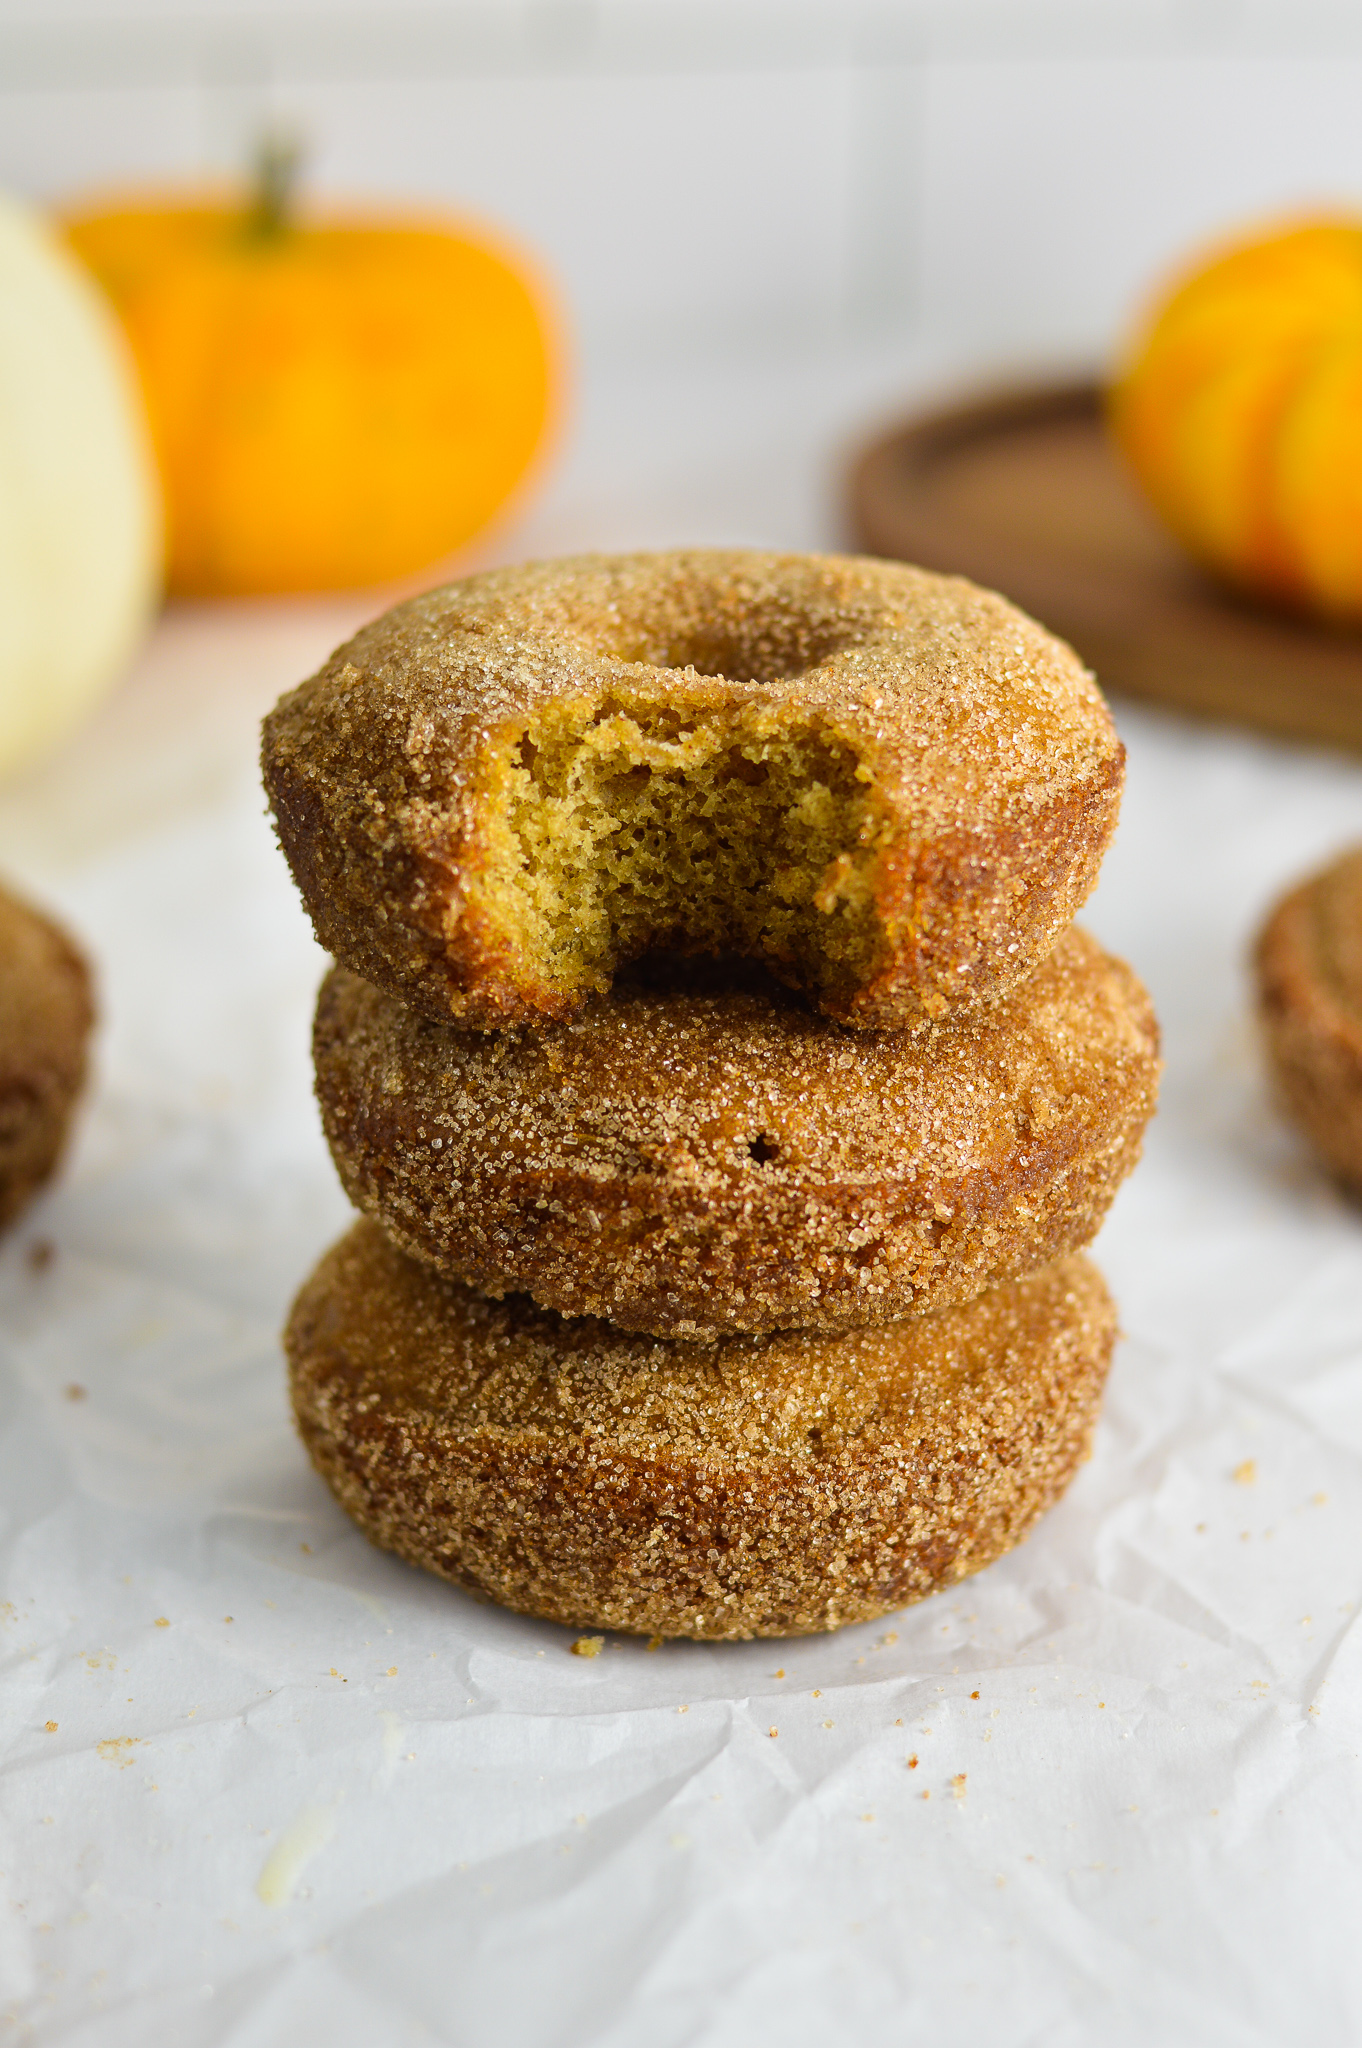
{"x": 264, "y": 1785}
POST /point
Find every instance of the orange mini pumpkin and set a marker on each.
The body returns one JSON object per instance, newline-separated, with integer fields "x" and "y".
{"x": 1240, "y": 410}
{"x": 332, "y": 403}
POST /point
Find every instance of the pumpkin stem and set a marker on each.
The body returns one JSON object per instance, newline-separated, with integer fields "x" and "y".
{"x": 278, "y": 160}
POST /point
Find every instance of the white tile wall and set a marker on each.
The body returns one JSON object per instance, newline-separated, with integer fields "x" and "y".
{"x": 1056, "y": 190}
{"x": 994, "y": 182}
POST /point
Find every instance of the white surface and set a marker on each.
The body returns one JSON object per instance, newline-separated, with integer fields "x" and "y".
{"x": 366, "y": 1811}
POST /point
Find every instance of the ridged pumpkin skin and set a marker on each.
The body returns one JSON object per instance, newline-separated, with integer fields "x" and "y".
{"x": 332, "y": 404}
{"x": 1240, "y": 409}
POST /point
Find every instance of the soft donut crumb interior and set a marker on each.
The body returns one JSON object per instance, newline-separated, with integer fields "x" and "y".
{"x": 622, "y": 830}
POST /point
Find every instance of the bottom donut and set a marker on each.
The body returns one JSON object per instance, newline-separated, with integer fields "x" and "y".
{"x": 760, "y": 1486}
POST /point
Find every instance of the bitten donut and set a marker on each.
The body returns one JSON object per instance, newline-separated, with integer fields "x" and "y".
{"x": 1309, "y": 971}
{"x": 46, "y": 1013}
{"x": 890, "y": 787}
{"x": 765, "y": 1486}
{"x": 690, "y": 1163}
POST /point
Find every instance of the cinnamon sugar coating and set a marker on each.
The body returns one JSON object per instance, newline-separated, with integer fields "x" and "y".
{"x": 1309, "y": 970}
{"x": 46, "y": 1015}
{"x": 692, "y": 1163}
{"x": 763, "y": 1486}
{"x": 890, "y": 787}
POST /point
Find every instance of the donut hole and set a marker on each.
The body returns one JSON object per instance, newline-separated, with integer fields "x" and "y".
{"x": 769, "y": 646}
{"x": 619, "y": 832}
{"x": 715, "y": 619}
{"x": 762, "y": 1150}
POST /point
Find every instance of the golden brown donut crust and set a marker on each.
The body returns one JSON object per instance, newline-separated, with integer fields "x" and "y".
{"x": 46, "y": 1014}
{"x": 892, "y": 787}
{"x": 764, "y": 1486}
{"x": 695, "y": 1164}
{"x": 1309, "y": 971}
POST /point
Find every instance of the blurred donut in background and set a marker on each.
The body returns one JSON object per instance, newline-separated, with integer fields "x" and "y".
{"x": 1309, "y": 971}
{"x": 47, "y": 1011}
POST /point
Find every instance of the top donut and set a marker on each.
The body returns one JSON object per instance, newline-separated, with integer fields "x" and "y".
{"x": 891, "y": 787}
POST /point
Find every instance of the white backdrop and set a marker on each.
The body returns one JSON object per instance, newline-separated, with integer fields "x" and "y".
{"x": 994, "y": 179}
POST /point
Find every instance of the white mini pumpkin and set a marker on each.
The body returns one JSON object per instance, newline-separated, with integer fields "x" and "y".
{"x": 80, "y": 523}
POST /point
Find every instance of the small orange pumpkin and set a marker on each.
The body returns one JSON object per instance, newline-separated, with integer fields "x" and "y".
{"x": 1240, "y": 409}
{"x": 333, "y": 403}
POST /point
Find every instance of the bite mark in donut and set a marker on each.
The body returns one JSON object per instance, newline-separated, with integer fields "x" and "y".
{"x": 891, "y": 788}
{"x": 621, "y": 833}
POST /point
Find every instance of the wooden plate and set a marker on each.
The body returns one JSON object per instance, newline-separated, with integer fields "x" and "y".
{"x": 1022, "y": 492}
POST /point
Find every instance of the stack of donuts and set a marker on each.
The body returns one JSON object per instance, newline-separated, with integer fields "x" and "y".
{"x": 726, "y": 1090}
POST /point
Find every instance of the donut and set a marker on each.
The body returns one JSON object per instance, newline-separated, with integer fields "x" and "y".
{"x": 689, "y": 1164}
{"x": 764, "y": 1486}
{"x": 891, "y": 788}
{"x": 1309, "y": 973}
{"x": 46, "y": 1015}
